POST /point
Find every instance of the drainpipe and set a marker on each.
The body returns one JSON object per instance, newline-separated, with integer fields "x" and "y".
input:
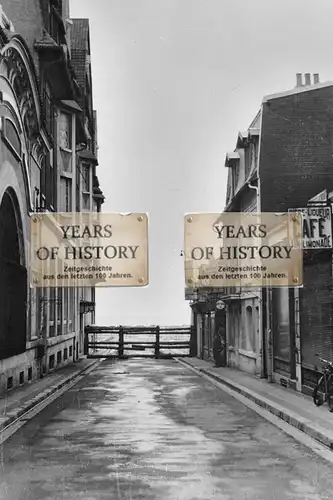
{"x": 261, "y": 340}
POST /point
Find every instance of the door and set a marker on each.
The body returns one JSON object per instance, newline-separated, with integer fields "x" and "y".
{"x": 220, "y": 329}
{"x": 283, "y": 332}
{"x": 13, "y": 310}
{"x": 13, "y": 280}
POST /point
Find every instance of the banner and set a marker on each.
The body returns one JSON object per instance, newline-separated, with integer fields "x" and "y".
{"x": 89, "y": 249}
{"x": 317, "y": 227}
{"x": 243, "y": 249}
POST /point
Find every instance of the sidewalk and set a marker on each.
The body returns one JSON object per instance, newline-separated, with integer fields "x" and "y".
{"x": 14, "y": 403}
{"x": 292, "y": 407}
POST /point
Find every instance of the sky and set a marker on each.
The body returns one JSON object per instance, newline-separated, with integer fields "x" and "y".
{"x": 174, "y": 81}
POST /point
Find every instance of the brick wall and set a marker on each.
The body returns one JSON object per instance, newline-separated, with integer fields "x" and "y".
{"x": 296, "y": 159}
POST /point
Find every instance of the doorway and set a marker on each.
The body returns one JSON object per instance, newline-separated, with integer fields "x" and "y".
{"x": 13, "y": 280}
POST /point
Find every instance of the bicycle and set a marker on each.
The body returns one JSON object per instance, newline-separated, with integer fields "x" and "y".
{"x": 324, "y": 389}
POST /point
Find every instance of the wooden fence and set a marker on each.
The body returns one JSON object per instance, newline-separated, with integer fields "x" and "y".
{"x": 139, "y": 341}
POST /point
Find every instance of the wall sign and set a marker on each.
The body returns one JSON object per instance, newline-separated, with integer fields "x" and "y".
{"x": 317, "y": 227}
{"x": 89, "y": 249}
{"x": 243, "y": 249}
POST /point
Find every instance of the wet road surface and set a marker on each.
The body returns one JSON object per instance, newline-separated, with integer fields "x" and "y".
{"x": 154, "y": 430}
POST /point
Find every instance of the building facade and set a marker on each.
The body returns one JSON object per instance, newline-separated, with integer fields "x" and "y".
{"x": 280, "y": 163}
{"x": 48, "y": 164}
{"x": 300, "y": 320}
{"x": 244, "y": 307}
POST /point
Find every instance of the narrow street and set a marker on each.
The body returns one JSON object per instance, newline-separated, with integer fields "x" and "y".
{"x": 153, "y": 430}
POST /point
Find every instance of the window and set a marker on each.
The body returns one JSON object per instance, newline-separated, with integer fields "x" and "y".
{"x": 247, "y": 331}
{"x": 66, "y": 310}
{"x": 58, "y": 357}
{"x": 41, "y": 303}
{"x": 86, "y": 178}
{"x": 47, "y": 184}
{"x": 66, "y": 161}
{"x": 93, "y": 299}
{"x": 78, "y": 188}
{"x": 50, "y": 181}
{"x": 52, "y": 312}
{"x": 42, "y": 179}
{"x": 65, "y": 131}
{"x": 86, "y": 202}
{"x": 59, "y": 310}
{"x": 71, "y": 309}
{"x": 12, "y": 138}
{"x": 51, "y": 362}
{"x": 66, "y": 194}
{"x": 65, "y": 354}
{"x": 55, "y": 24}
{"x": 235, "y": 323}
{"x": 39, "y": 322}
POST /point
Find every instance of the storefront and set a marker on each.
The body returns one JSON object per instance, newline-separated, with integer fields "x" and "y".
{"x": 208, "y": 320}
{"x": 316, "y": 316}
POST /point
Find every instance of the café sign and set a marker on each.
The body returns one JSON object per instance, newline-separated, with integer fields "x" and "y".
{"x": 317, "y": 227}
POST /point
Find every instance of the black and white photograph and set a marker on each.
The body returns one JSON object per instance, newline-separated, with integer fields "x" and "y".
{"x": 166, "y": 256}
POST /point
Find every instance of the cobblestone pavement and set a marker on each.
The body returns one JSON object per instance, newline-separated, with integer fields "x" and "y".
{"x": 153, "y": 430}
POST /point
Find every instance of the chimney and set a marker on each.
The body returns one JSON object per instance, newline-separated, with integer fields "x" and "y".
{"x": 307, "y": 79}
{"x": 316, "y": 78}
{"x": 299, "y": 82}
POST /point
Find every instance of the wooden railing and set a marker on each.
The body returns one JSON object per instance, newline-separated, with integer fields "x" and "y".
{"x": 135, "y": 341}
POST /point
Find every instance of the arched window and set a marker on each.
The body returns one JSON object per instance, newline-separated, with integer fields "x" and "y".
{"x": 12, "y": 138}
{"x": 249, "y": 336}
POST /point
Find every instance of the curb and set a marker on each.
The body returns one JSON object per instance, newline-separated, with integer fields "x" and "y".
{"x": 304, "y": 425}
{"x": 14, "y": 415}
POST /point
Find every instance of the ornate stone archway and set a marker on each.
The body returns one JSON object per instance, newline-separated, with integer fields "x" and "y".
{"x": 13, "y": 279}
{"x": 19, "y": 93}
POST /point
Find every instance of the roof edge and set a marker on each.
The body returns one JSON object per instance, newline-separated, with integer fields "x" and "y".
{"x": 297, "y": 90}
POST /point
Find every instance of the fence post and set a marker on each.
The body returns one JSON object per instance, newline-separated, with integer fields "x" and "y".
{"x": 85, "y": 342}
{"x": 193, "y": 342}
{"x": 157, "y": 343}
{"x": 121, "y": 342}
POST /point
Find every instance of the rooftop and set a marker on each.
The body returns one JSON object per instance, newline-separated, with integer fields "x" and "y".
{"x": 300, "y": 88}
